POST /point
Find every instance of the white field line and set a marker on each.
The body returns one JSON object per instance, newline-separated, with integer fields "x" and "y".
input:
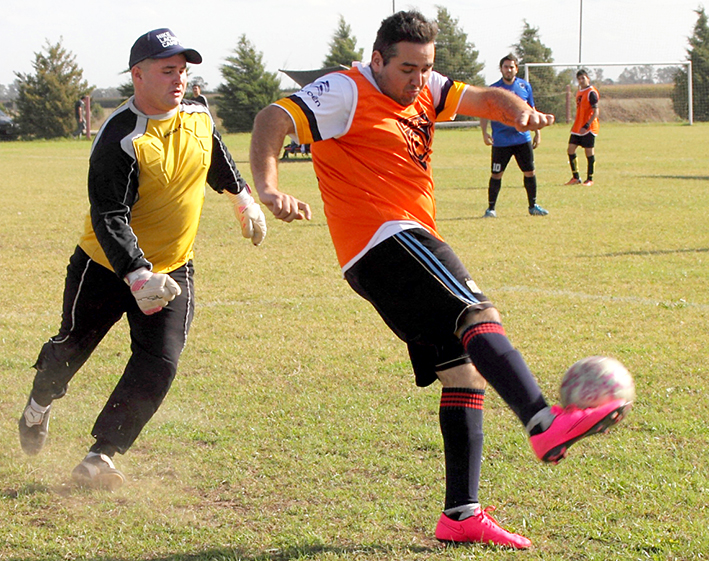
{"x": 679, "y": 303}
{"x": 265, "y": 302}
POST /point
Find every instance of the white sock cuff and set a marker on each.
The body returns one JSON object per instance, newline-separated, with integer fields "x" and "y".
{"x": 37, "y": 407}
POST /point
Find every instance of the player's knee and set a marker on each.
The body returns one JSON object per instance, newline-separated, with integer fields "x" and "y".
{"x": 149, "y": 376}
{"x": 52, "y": 375}
{"x": 463, "y": 376}
{"x": 59, "y": 360}
{"x": 489, "y": 314}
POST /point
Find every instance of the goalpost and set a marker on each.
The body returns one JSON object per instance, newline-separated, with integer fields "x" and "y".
{"x": 646, "y": 80}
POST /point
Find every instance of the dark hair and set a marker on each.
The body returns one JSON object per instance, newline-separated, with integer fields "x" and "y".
{"x": 511, "y": 58}
{"x": 411, "y": 27}
{"x": 581, "y": 72}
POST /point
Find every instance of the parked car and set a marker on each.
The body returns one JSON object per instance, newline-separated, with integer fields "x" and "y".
{"x": 8, "y": 130}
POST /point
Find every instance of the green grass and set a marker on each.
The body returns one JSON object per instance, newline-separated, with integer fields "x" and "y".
{"x": 294, "y": 429}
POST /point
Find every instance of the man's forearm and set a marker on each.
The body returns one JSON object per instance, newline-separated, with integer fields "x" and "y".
{"x": 271, "y": 127}
{"x": 495, "y": 104}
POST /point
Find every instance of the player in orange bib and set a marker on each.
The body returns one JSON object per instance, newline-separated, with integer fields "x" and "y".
{"x": 371, "y": 128}
{"x": 585, "y": 128}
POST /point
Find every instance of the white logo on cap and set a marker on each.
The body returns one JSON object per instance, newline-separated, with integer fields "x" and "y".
{"x": 168, "y": 40}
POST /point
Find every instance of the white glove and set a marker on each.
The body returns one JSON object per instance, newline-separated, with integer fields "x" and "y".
{"x": 152, "y": 291}
{"x": 250, "y": 215}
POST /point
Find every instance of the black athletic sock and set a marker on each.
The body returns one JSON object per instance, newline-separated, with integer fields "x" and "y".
{"x": 591, "y": 166}
{"x": 461, "y": 418}
{"x": 504, "y": 368}
{"x": 493, "y": 191}
{"x": 530, "y": 185}
{"x": 573, "y": 162}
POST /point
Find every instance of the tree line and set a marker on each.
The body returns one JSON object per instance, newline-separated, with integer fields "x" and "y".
{"x": 45, "y": 99}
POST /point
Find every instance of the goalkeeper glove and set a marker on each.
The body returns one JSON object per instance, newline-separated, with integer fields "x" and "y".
{"x": 152, "y": 291}
{"x": 250, "y": 215}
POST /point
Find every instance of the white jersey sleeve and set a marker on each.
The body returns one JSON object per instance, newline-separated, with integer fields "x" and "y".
{"x": 440, "y": 86}
{"x": 323, "y": 109}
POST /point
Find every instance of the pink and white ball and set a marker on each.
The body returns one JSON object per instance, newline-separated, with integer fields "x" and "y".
{"x": 594, "y": 381}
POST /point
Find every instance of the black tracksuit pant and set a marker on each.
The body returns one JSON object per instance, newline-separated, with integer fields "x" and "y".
{"x": 94, "y": 300}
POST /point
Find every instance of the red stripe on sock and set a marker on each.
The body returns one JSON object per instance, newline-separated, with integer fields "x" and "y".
{"x": 463, "y": 399}
{"x": 452, "y": 401}
{"x": 462, "y": 404}
{"x": 481, "y": 329}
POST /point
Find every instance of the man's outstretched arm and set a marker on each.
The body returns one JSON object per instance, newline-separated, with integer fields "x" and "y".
{"x": 496, "y": 104}
{"x": 271, "y": 127}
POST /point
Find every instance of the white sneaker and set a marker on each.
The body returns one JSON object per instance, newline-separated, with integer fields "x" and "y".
{"x": 33, "y": 427}
{"x": 98, "y": 472}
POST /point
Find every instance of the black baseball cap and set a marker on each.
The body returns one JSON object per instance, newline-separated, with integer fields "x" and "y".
{"x": 160, "y": 43}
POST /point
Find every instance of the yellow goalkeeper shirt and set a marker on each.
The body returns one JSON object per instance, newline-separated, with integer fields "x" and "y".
{"x": 147, "y": 177}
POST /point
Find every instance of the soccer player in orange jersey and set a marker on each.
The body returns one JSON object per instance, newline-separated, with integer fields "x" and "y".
{"x": 371, "y": 128}
{"x": 585, "y": 128}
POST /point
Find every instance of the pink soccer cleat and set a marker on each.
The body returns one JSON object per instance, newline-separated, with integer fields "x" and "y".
{"x": 479, "y": 528}
{"x": 572, "y": 424}
{"x": 573, "y": 181}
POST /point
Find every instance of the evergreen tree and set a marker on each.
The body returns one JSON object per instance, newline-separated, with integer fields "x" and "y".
{"x": 247, "y": 88}
{"x": 45, "y": 101}
{"x": 343, "y": 47}
{"x": 126, "y": 89}
{"x": 699, "y": 55}
{"x": 455, "y": 56}
{"x": 548, "y": 86}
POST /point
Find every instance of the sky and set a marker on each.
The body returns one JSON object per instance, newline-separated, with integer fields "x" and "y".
{"x": 295, "y": 34}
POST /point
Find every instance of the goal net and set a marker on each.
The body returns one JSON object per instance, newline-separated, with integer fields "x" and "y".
{"x": 630, "y": 92}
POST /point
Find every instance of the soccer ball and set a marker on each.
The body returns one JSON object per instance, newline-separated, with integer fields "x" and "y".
{"x": 594, "y": 381}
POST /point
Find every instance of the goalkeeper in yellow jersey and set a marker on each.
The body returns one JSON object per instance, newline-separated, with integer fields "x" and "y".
{"x": 148, "y": 169}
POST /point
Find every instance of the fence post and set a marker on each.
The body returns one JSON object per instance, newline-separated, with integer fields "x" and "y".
{"x": 87, "y": 117}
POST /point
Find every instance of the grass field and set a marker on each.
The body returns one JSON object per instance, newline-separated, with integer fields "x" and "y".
{"x": 294, "y": 429}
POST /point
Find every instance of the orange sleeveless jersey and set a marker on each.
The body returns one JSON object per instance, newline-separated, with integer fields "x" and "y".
{"x": 380, "y": 169}
{"x": 584, "y": 110}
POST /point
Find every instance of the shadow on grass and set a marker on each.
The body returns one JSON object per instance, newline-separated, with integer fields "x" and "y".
{"x": 25, "y": 490}
{"x": 304, "y": 551}
{"x": 690, "y": 177}
{"x": 649, "y": 252}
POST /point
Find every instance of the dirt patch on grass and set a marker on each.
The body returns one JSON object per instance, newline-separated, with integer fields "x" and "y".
{"x": 644, "y": 110}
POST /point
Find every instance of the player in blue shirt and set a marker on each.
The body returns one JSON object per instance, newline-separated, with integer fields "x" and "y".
{"x": 508, "y": 141}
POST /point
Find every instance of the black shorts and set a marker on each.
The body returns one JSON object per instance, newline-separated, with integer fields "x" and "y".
{"x": 523, "y": 153}
{"x": 421, "y": 290}
{"x": 587, "y": 140}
